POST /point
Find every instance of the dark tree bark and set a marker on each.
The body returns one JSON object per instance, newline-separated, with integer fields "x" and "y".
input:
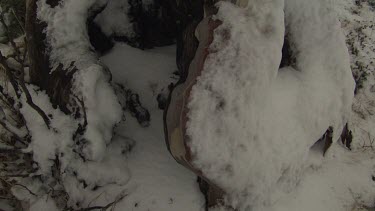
{"x": 57, "y": 84}
{"x": 38, "y": 57}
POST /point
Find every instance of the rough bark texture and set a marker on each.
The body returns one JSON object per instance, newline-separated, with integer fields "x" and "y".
{"x": 190, "y": 59}
{"x": 58, "y": 83}
{"x": 38, "y": 58}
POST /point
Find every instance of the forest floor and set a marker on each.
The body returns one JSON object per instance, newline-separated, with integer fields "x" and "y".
{"x": 341, "y": 181}
{"x": 147, "y": 177}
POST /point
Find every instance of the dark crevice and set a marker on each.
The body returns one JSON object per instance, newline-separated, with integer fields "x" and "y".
{"x": 324, "y": 143}
{"x": 288, "y": 57}
{"x": 53, "y": 3}
{"x": 99, "y": 41}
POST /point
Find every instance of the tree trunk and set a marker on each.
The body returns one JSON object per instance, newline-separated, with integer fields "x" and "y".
{"x": 57, "y": 84}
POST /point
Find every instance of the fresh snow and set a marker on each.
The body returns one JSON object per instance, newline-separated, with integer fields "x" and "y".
{"x": 114, "y": 20}
{"x": 282, "y": 111}
{"x": 136, "y": 165}
{"x": 69, "y": 42}
{"x": 158, "y": 182}
{"x": 252, "y": 125}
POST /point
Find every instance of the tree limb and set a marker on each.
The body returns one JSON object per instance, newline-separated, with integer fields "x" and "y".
{"x": 29, "y": 99}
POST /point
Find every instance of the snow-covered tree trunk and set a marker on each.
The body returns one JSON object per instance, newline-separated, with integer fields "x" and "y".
{"x": 57, "y": 84}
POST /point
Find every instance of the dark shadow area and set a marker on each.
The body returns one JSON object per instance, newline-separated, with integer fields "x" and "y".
{"x": 288, "y": 58}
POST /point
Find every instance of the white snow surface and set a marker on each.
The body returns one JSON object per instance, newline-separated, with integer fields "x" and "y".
{"x": 252, "y": 125}
{"x": 158, "y": 182}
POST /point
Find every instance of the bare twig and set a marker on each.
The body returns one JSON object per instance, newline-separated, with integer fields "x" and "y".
{"x": 18, "y": 138}
{"x": 29, "y": 101}
{"x": 106, "y": 207}
{"x": 26, "y": 188}
{"x": 10, "y": 185}
{"x": 21, "y": 82}
{"x": 95, "y": 199}
{"x": 371, "y": 141}
{"x": 18, "y": 21}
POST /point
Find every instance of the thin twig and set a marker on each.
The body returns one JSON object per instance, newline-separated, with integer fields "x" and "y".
{"x": 21, "y": 81}
{"x": 29, "y": 101}
{"x": 32, "y": 193}
{"x": 104, "y": 208}
{"x": 10, "y": 185}
{"x": 18, "y": 21}
{"x": 18, "y": 138}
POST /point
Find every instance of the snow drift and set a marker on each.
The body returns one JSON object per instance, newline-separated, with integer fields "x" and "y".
{"x": 251, "y": 124}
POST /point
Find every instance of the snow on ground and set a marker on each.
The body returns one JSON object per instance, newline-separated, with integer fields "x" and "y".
{"x": 136, "y": 170}
{"x": 149, "y": 178}
{"x": 157, "y": 181}
{"x": 358, "y": 22}
{"x": 345, "y": 180}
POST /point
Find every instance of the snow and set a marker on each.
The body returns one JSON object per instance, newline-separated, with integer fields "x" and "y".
{"x": 114, "y": 20}
{"x": 157, "y": 182}
{"x": 69, "y": 44}
{"x": 6, "y": 50}
{"x": 358, "y": 24}
{"x": 147, "y": 176}
{"x": 251, "y": 125}
{"x": 66, "y": 32}
{"x": 342, "y": 182}
{"x": 46, "y": 143}
{"x": 44, "y": 203}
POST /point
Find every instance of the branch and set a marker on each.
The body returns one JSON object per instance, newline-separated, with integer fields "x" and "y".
{"x": 10, "y": 185}
{"x": 32, "y": 193}
{"x": 29, "y": 99}
{"x": 104, "y": 208}
{"x": 18, "y": 133}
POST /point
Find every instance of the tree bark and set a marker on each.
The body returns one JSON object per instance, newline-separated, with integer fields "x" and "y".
{"x": 58, "y": 83}
{"x": 38, "y": 57}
